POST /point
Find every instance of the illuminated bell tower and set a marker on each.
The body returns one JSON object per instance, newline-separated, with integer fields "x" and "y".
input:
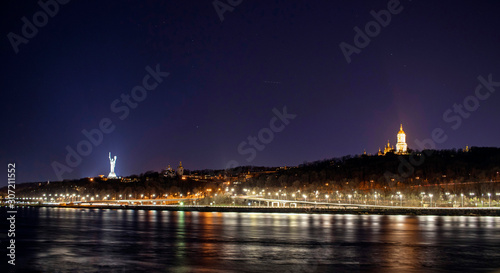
{"x": 180, "y": 169}
{"x": 401, "y": 146}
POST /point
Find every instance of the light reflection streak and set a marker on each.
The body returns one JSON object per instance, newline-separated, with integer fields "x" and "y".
{"x": 214, "y": 240}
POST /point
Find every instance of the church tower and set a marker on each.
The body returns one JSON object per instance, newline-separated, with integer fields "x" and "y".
{"x": 388, "y": 148}
{"x": 401, "y": 145}
{"x": 180, "y": 169}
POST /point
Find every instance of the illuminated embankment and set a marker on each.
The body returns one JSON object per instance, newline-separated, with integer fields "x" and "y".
{"x": 305, "y": 209}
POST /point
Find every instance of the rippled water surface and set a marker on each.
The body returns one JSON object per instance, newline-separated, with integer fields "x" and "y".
{"x": 94, "y": 240}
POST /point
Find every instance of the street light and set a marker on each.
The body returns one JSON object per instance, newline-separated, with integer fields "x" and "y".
{"x": 327, "y": 198}
{"x": 472, "y": 194}
{"x": 305, "y": 197}
{"x": 462, "y": 199}
{"x": 349, "y": 198}
{"x": 489, "y": 199}
{"x": 401, "y": 199}
{"x": 430, "y": 195}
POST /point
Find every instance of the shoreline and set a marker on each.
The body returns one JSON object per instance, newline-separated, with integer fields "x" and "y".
{"x": 307, "y": 210}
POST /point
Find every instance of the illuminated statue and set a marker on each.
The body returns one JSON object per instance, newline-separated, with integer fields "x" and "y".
{"x": 112, "y": 163}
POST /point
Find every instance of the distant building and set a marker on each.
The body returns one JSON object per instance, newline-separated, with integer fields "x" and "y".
{"x": 401, "y": 146}
{"x": 387, "y": 149}
{"x": 169, "y": 172}
{"x": 130, "y": 179}
{"x": 180, "y": 169}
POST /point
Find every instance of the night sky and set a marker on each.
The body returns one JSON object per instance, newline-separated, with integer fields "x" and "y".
{"x": 226, "y": 77}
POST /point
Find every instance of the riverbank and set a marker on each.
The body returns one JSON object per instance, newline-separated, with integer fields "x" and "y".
{"x": 311, "y": 210}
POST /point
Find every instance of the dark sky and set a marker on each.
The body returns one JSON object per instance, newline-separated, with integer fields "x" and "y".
{"x": 226, "y": 77}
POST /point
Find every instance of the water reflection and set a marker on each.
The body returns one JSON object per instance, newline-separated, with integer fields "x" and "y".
{"x": 60, "y": 239}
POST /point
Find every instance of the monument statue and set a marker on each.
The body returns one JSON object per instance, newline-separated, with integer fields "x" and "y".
{"x": 112, "y": 163}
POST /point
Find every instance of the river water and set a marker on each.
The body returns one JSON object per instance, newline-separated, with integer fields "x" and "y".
{"x": 101, "y": 240}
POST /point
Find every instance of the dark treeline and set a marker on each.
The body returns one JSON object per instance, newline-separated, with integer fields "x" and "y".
{"x": 350, "y": 173}
{"x": 147, "y": 185}
{"x": 391, "y": 171}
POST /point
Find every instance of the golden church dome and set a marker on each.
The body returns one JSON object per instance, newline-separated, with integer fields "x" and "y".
{"x": 401, "y": 130}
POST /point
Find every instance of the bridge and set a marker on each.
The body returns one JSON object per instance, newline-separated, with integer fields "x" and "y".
{"x": 158, "y": 201}
{"x": 283, "y": 203}
{"x": 290, "y": 203}
{"x": 254, "y": 201}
